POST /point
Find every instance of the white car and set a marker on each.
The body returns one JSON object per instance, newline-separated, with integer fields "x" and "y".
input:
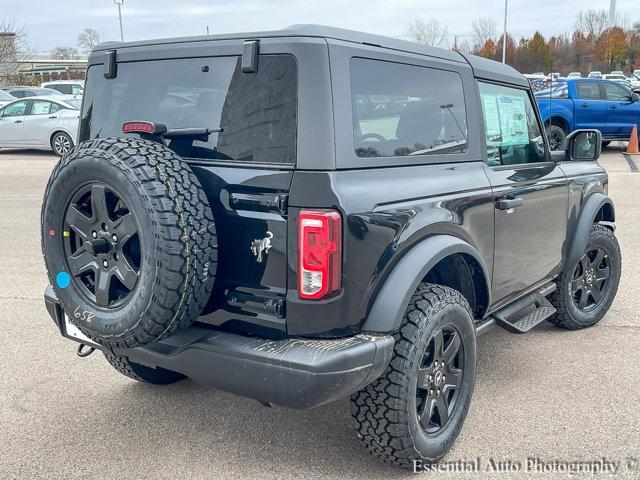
{"x": 5, "y": 98}
{"x": 621, "y": 79}
{"x": 617, "y": 72}
{"x": 574, "y": 75}
{"x": 67, "y": 87}
{"x": 595, "y": 74}
{"x": 41, "y": 123}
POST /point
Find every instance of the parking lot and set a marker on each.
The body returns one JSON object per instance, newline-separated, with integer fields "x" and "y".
{"x": 550, "y": 394}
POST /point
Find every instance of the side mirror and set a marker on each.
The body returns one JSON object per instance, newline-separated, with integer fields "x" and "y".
{"x": 584, "y": 145}
{"x": 634, "y": 97}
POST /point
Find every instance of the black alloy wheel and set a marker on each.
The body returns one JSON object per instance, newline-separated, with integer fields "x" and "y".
{"x": 591, "y": 279}
{"x": 102, "y": 245}
{"x": 439, "y": 379}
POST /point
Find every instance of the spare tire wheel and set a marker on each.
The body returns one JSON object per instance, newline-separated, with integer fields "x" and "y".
{"x": 129, "y": 241}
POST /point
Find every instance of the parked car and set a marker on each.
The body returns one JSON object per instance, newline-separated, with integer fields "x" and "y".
{"x": 574, "y": 104}
{"x": 67, "y": 87}
{"x": 634, "y": 81}
{"x": 555, "y": 75}
{"x": 637, "y": 73}
{"x": 41, "y": 123}
{"x": 574, "y": 75}
{"x": 621, "y": 79}
{"x": 617, "y": 72}
{"x": 22, "y": 92}
{"x": 278, "y": 241}
{"x": 5, "y": 97}
{"x": 595, "y": 74}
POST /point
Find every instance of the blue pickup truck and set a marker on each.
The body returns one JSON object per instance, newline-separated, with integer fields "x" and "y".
{"x": 569, "y": 104}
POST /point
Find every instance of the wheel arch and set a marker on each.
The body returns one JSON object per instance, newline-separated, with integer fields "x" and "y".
{"x": 597, "y": 208}
{"x": 441, "y": 259}
{"x": 560, "y": 122}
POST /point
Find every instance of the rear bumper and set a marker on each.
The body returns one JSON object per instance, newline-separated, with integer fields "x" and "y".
{"x": 295, "y": 372}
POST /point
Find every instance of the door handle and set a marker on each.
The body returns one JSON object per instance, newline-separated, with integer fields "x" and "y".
{"x": 509, "y": 203}
{"x": 53, "y": 116}
{"x": 613, "y": 107}
{"x": 18, "y": 121}
{"x": 584, "y": 105}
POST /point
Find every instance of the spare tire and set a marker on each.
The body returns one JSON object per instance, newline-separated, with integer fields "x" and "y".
{"x": 129, "y": 241}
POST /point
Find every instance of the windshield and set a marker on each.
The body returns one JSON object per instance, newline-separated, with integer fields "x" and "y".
{"x": 46, "y": 91}
{"x": 256, "y": 112}
{"x": 4, "y": 96}
{"x": 76, "y": 103}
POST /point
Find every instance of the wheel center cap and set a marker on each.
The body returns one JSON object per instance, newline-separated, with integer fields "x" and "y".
{"x": 100, "y": 245}
{"x": 437, "y": 378}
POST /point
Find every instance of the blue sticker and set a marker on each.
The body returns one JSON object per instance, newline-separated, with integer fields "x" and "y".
{"x": 63, "y": 279}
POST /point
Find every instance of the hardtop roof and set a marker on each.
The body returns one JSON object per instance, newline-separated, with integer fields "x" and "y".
{"x": 483, "y": 68}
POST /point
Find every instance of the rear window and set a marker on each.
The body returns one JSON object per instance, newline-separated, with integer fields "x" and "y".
{"x": 554, "y": 89}
{"x": 406, "y": 110}
{"x": 257, "y": 112}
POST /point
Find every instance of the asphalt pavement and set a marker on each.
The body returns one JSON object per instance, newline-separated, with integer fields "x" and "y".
{"x": 550, "y": 395}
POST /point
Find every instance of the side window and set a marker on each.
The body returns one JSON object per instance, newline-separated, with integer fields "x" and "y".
{"x": 403, "y": 110}
{"x": 589, "y": 90}
{"x": 615, "y": 92}
{"x": 40, "y": 107}
{"x": 17, "y": 109}
{"x": 511, "y": 127}
{"x": 76, "y": 89}
{"x": 18, "y": 93}
{"x": 54, "y": 107}
{"x": 64, "y": 88}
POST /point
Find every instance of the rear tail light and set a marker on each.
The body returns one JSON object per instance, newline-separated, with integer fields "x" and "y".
{"x": 144, "y": 127}
{"x": 320, "y": 253}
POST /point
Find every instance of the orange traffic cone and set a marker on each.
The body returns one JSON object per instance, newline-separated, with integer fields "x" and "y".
{"x": 632, "y": 149}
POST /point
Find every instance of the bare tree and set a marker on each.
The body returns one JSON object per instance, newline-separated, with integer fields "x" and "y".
{"x": 88, "y": 39}
{"x": 65, "y": 53}
{"x": 428, "y": 33}
{"x": 592, "y": 23}
{"x": 484, "y": 29}
{"x": 14, "y": 45}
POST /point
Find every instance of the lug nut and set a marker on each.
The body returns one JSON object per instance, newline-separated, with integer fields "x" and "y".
{"x": 105, "y": 264}
{"x": 430, "y": 378}
{"x": 431, "y": 392}
{"x": 438, "y": 392}
{"x": 442, "y": 364}
{"x": 114, "y": 237}
{"x": 94, "y": 234}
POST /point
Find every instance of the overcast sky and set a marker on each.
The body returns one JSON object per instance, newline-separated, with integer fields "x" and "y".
{"x": 52, "y": 23}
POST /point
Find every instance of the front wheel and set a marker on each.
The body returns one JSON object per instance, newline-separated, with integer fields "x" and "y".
{"x": 586, "y": 290}
{"x": 413, "y": 413}
{"x": 61, "y": 143}
{"x": 556, "y": 137}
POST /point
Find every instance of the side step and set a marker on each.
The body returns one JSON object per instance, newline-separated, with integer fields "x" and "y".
{"x": 526, "y": 313}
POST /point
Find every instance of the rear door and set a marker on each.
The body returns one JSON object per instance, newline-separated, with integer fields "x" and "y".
{"x": 530, "y": 192}
{"x": 589, "y": 106}
{"x": 622, "y": 113}
{"x": 12, "y": 124}
{"x": 39, "y": 124}
{"x": 245, "y": 164}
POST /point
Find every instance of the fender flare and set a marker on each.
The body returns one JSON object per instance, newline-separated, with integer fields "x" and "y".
{"x": 392, "y": 299}
{"x": 588, "y": 213}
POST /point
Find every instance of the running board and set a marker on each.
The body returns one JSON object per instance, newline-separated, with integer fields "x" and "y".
{"x": 524, "y": 314}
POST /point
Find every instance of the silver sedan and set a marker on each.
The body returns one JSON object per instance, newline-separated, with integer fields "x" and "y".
{"x": 41, "y": 123}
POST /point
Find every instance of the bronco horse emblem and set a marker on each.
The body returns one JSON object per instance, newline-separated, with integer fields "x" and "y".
{"x": 260, "y": 246}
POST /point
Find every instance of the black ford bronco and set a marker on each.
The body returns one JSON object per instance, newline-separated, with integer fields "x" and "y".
{"x": 304, "y": 215}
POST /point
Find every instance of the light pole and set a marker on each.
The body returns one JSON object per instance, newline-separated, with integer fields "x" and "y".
{"x": 119, "y": 3}
{"x": 504, "y": 35}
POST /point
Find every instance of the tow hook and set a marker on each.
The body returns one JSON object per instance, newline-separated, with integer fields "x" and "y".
{"x": 84, "y": 353}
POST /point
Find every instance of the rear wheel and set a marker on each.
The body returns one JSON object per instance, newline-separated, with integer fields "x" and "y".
{"x": 416, "y": 409}
{"x": 606, "y": 143}
{"x": 556, "y": 136}
{"x": 61, "y": 143}
{"x": 586, "y": 290}
{"x": 156, "y": 376}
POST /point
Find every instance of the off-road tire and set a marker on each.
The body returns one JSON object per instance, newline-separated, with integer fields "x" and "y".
{"x": 568, "y": 315}
{"x": 177, "y": 237}
{"x": 384, "y": 413}
{"x": 155, "y": 376}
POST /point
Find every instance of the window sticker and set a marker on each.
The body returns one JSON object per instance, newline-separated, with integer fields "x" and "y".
{"x": 506, "y": 120}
